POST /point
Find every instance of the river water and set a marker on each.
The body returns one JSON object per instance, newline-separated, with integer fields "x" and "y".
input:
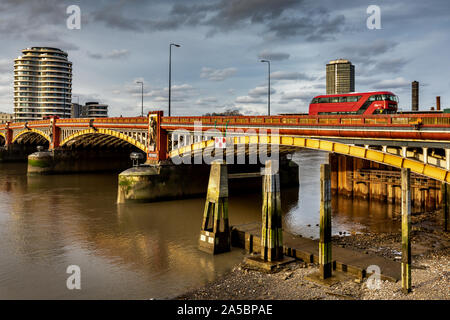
{"x": 137, "y": 251}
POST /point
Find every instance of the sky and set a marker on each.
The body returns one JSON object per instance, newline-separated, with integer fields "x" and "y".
{"x": 217, "y": 66}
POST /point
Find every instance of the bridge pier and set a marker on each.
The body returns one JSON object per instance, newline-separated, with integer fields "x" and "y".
{"x": 76, "y": 161}
{"x": 165, "y": 180}
{"x": 16, "y": 152}
{"x": 215, "y": 234}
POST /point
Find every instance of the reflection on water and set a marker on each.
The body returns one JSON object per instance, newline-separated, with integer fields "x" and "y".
{"x": 135, "y": 251}
{"x": 348, "y": 215}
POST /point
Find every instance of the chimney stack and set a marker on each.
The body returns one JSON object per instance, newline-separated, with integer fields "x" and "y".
{"x": 415, "y": 96}
{"x": 438, "y": 103}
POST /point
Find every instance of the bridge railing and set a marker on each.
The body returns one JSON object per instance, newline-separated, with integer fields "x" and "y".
{"x": 344, "y": 120}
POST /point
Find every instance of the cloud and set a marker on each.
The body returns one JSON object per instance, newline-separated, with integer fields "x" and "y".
{"x": 393, "y": 65}
{"x": 36, "y": 14}
{"x": 206, "y": 101}
{"x": 181, "y": 88}
{"x": 248, "y": 99}
{"x": 217, "y": 74}
{"x": 114, "y": 54}
{"x": 314, "y": 25}
{"x": 6, "y": 65}
{"x": 273, "y": 56}
{"x": 286, "y": 75}
{"x": 399, "y": 82}
{"x": 38, "y": 22}
{"x": 281, "y": 18}
{"x": 366, "y": 53}
{"x": 298, "y": 95}
{"x": 260, "y": 91}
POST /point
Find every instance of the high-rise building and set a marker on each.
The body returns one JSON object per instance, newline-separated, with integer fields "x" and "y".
{"x": 340, "y": 77}
{"x": 42, "y": 84}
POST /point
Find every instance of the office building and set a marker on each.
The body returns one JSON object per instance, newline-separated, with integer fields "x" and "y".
{"x": 89, "y": 110}
{"x": 76, "y": 110}
{"x": 340, "y": 77}
{"x": 96, "y": 110}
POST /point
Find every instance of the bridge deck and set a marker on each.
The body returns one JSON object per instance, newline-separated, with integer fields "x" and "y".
{"x": 344, "y": 259}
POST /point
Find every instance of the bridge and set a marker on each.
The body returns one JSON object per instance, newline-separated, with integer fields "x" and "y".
{"x": 365, "y": 155}
{"x": 419, "y": 142}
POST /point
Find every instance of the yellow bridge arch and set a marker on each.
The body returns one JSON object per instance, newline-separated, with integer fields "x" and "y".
{"x": 107, "y": 132}
{"x": 32, "y": 130}
{"x": 324, "y": 145}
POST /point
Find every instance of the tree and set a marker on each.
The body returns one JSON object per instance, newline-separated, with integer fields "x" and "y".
{"x": 226, "y": 113}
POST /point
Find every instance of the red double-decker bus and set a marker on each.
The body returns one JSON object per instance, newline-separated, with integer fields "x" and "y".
{"x": 377, "y": 102}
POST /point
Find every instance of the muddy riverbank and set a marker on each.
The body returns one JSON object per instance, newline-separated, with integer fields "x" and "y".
{"x": 430, "y": 271}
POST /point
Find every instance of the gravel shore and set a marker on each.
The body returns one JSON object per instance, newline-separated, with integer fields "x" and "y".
{"x": 430, "y": 271}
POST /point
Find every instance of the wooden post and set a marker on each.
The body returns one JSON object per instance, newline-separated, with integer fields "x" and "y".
{"x": 325, "y": 259}
{"x": 333, "y": 161}
{"x": 406, "y": 227}
{"x": 212, "y": 238}
{"x": 445, "y": 195}
{"x": 271, "y": 230}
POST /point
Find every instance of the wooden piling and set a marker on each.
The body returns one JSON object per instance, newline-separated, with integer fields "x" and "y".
{"x": 333, "y": 161}
{"x": 406, "y": 227}
{"x": 325, "y": 259}
{"x": 271, "y": 231}
{"x": 215, "y": 232}
{"x": 445, "y": 196}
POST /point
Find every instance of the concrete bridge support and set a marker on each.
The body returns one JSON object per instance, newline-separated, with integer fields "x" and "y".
{"x": 165, "y": 180}
{"x": 271, "y": 231}
{"x": 16, "y": 152}
{"x": 215, "y": 232}
{"x": 60, "y": 161}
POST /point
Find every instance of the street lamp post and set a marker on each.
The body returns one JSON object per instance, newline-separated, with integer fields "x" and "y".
{"x": 142, "y": 97}
{"x": 170, "y": 70}
{"x": 268, "y": 87}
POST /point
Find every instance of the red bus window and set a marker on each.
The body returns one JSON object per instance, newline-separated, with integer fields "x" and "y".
{"x": 353, "y": 98}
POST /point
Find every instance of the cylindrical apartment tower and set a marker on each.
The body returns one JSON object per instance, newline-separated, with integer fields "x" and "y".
{"x": 415, "y": 96}
{"x": 42, "y": 84}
